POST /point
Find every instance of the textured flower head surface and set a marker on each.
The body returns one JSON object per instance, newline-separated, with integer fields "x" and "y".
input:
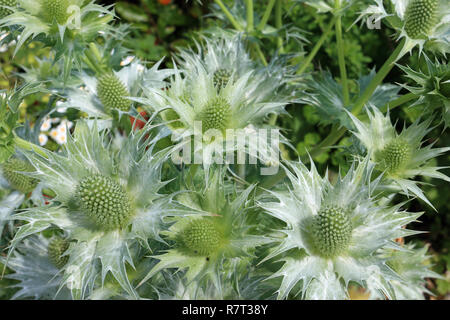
{"x": 220, "y": 99}
{"x": 57, "y": 19}
{"x": 432, "y": 86}
{"x": 38, "y": 277}
{"x": 105, "y": 94}
{"x": 333, "y": 233}
{"x": 419, "y": 21}
{"x": 412, "y": 267}
{"x": 106, "y": 201}
{"x": 400, "y": 156}
{"x": 214, "y": 244}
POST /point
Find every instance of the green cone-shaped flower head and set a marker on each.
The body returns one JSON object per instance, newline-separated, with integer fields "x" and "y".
{"x": 395, "y": 155}
{"x": 331, "y": 231}
{"x": 420, "y": 17}
{"x": 221, "y": 78}
{"x": 201, "y": 237}
{"x": 216, "y": 115}
{"x": 112, "y": 92}
{"x": 104, "y": 201}
{"x": 12, "y": 170}
{"x": 55, "y": 10}
{"x": 56, "y": 248}
{"x": 4, "y": 11}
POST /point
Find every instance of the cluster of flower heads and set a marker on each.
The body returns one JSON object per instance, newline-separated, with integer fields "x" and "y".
{"x": 110, "y": 216}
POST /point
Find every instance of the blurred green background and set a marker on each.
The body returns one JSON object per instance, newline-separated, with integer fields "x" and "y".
{"x": 158, "y": 27}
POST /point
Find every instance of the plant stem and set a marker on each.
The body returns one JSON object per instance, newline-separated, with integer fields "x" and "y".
{"x": 279, "y": 24}
{"x": 260, "y": 54}
{"x": 249, "y": 15}
{"x": 316, "y": 48}
{"x": 266, "y": 15}
{"x": 398, "y": 102}
{"x": 26, "y": 145}
{"x": 379, "y": 77}
{"x": 341, "y": 56}
{"x": 230, "y": 17}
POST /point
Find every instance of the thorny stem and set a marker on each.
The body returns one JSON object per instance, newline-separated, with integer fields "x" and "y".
{"x": 379, "y": 77}
{"x": 266, "y": 15}
{"x": 249, "y": 15}
{"x": 318, "y": 45}
{"x": 279, "y": 23}
{"x": 398, "y": 102}
{"x": 260, "y": 54}
{"x": 341, "y": 55}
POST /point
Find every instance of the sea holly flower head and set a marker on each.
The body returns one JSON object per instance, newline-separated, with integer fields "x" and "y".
{"x": 332, "y": 233}
{"x": 106, "y": 202}
{"x": 225, "y": 106}
{"x": 106, "y": 94}
{"x": 78, "y": 20}
{"x": 400, "y": 156}
{"x": 222, "y": 57}
{"x": 14, "y": 170}
{"x": 419, "y": 21}
{"x": 213, "y": 242}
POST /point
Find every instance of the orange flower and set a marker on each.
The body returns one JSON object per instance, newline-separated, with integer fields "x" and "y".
{"x": 165, "y": 2}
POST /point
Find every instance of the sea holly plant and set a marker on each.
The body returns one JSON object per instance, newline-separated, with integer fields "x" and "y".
{"x": 400, "y": 156}
{"x": 218, "y": 238}
{"x": 105, "y": 96}
{"x": 333, "y": 233}
{"x": 217, "y": 104}
{"x": 157, "y": 190}
{"x": 64, "y": 24}
{"x": 101, "y": 204}
{"x": 419, "y": 22}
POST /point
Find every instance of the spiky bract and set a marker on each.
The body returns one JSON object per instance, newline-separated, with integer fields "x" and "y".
{"x": 37, "y": 277}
